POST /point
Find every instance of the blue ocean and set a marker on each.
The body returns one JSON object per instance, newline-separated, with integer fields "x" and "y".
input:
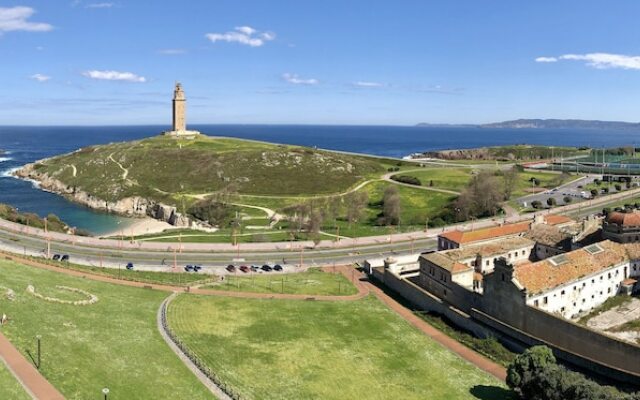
{"x": 27, "y": 144}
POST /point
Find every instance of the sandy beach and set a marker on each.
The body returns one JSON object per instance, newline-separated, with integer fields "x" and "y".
{"x": 143, "y": 226}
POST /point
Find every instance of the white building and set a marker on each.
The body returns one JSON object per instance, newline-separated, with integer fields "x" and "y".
{"x": 573, "y": 283}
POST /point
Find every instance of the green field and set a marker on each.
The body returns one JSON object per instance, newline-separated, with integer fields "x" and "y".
{"x": 548, "y": 180}
{"x": 113, "y": 343}
{"x": 287, "y": 349}
{"x": 455, "y": 179}
{"x": 312, "y": 282}
{"x": 164, "y": 168}
{"x": 10, "y": 388}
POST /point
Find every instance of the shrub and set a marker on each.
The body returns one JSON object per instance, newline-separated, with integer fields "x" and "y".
{"x": 567, "y": 199}
{"x": 551, "y": 201}
{"x": 536, "y": 204}
{"x": 411, "y": 180}
{"x": 594, "y": 192}
{"x": 618, "y": 187}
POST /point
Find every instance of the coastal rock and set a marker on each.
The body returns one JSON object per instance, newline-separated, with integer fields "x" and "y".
{"x": 131, "y": 206}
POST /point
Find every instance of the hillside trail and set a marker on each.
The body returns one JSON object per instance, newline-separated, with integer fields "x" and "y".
{"x": 125, "y": 172}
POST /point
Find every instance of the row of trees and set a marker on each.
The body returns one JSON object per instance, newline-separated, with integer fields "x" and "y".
{"x": 536, "y": 375}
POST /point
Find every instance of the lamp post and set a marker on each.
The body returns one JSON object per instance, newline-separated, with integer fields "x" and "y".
{"x": 105, "y": 392}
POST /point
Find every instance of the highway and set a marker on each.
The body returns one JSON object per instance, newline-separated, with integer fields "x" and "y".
{"x": 215, "y": 256}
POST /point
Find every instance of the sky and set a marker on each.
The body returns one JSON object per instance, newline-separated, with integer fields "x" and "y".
{"x": 361, "y": 62}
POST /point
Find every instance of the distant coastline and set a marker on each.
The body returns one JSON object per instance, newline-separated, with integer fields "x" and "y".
{"x": 544, "y": 124}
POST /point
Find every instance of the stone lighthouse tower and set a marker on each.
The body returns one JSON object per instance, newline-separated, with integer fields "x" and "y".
{"x": 179, "y": 109}
{"x": 179, "y": 114}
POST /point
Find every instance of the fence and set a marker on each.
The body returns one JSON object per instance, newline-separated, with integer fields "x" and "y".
{"x": 212, "y": 376}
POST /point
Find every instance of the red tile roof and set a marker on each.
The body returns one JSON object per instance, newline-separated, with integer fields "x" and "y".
{"x": 544, "y": 275}
{"x": 555, "y": 219}
{"x": 624, "y": 219}
{"x": 486, "y": 233}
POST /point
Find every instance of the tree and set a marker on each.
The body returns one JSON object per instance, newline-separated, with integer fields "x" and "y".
{"x": 510, "y": 179}
{"x": 523, "y": 372}
{"x": 391, "y": 206}
{"x": 567, "y": 199}
{"x": 536, "y": 204}
{"x": 551, "y": 201}
{"x": 618, "y": 187}
{"x": 356, "y": 203}
{"x": 482, "y": 197}
{"x": 594, "y": 192}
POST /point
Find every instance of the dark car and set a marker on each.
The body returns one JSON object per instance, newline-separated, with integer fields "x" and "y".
{"x": 277, "y": 267}
{"x": 129, "y": 266}
{"x": 254, "y": 268}
{"x": 231, "y": 268}
{"x": 196, "y": 268}
{"x": 56, "y": 257}
{"x": 65, "y": 257}
{"x": 188, "y": 268}
{"x": 244, "y": 269}
{"x": 266, "y": 268}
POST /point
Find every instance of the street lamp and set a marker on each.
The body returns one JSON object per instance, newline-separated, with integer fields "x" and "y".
{"x": 105, "y": 391}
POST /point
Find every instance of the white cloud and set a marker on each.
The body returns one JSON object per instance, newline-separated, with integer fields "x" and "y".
{"x": 172, "y": 52}
{"x": 114, "y": 76}
{"x": 365, "y": 84}
{"x": 100, "y": 5}
{"x": 40, "y": 77}
{"x": 296, "y": 80}
{"x": 601, "y": 60}
{"x": 16, "y": 19}
{"x": 243, "y": 35}
{"x": 546, "y": 59}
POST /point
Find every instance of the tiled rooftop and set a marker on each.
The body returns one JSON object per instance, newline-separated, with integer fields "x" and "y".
{"x": 489, "y": 249}
{"x": 544, "y": 275}
{"x": 487, "y": 233}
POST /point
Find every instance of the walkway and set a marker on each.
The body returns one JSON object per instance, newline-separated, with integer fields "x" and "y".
{"x": 30, "y": 378}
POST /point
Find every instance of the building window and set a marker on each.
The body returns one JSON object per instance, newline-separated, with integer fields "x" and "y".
{"x": 608, "y": 290}
{"x": 535, "y": 303}
{"x": 545, "y": 300}
{"x": 487, "y": 263}
{"x": 562, "y": 293}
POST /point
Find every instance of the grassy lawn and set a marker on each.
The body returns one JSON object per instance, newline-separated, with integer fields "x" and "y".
{"x": 455, "y": 179}
{"x": 312, "y": 282}
{"x": 10, "y": 388}
{"x": 547, "y": 180}
{"x": 285, "y": 349}
{"x": 113, "y": 343}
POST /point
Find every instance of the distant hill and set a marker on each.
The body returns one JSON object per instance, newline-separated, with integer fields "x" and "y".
{"x": 550, "y": 124}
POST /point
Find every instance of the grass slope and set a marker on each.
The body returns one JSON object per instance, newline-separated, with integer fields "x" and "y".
{"x": 10, "y": 388}
{"x": 161, "y": 167}
{"x": 311, "y": 282}
{"x": 113, "y": 343}
{"x": 282, "y": 349}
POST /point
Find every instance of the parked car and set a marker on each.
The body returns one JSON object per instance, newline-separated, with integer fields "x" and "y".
{"x": 266, "y": 268}
{"x": 254, "y": 268}
{"x": 244, "y": 269}
{"x": 231, "y": 268}
{"x": 65, "y": 257}
{"x": 188, "y": 268}
{"x": 129, "y": 266}
{"x": 56, "y": 257}
{"x": 197, "y": 268}
{"x": 277, "y": 267}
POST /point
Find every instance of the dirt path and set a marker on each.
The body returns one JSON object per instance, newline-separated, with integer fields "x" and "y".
{"x": 29, "y": 377}
{"x": 387, "y": 178}
{"x": 125, "y": 172}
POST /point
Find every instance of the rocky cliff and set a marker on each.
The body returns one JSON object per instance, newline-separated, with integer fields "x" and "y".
{"x": 131, "y": 206}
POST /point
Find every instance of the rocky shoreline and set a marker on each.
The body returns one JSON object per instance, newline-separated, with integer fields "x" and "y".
{"x": 129, "y": 207}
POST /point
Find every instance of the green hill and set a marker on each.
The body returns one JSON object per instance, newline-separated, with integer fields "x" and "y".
{"x": 159, "y": 168}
